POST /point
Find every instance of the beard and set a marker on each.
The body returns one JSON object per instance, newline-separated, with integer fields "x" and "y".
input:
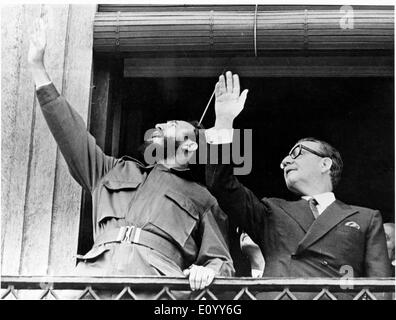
{"x": 154, "y": 151}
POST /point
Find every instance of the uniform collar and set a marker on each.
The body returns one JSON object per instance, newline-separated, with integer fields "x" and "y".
{"x": 173, "y": 169}
{"x": 185, "y": 173}
{"x": 139, "y": 163}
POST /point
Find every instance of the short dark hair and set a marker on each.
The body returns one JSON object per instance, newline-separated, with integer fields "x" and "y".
{"x": 333, "y": 154}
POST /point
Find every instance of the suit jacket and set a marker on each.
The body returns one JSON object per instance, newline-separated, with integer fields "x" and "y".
{"x": 342, "y": 239}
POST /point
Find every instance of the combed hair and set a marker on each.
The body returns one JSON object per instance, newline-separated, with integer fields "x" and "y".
{"x": 334, "y": 155}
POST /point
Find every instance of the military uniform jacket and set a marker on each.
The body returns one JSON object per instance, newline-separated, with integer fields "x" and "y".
{"x": 179, "y": 212}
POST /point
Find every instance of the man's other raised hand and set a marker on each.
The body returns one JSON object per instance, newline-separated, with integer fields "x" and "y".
{"x": 229, "y": 101}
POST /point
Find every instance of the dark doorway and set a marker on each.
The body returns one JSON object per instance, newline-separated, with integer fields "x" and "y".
{"x": 356, "y": 115}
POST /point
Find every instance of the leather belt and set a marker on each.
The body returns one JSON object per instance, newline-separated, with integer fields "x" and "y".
{"x": 133, "y": 234}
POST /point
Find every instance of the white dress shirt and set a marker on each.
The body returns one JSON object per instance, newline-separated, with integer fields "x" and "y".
{"x": 219, "y": 136}
{"x": 43, "y": 85}
{"x": 323, "y": 199}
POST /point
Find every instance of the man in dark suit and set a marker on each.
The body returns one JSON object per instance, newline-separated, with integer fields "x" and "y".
{"x": 315, "y": 236}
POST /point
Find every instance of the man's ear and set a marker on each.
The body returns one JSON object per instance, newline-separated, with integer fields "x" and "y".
{"x": 326, "y": 164}
{"x": 189, "y": 145}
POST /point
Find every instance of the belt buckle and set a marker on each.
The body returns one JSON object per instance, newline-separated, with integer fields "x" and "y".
{"x": 125, "y": 234}
{"x": 136, "y": 236}
{"x": 121, "y": 234}
{"x": 128, "y": 232}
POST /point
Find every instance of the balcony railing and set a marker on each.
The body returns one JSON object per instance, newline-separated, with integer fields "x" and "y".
{"x": 169, "y": 288}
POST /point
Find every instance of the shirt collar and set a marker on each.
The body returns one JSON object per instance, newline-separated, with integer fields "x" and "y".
{"x": 172, "y": 169}
{"x": 139, "y": 163}
{"x": 185, "y": 173}
{"x": 324, "y": 199}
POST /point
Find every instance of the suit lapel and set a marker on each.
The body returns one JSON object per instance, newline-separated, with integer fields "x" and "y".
{"x": 300, "y": 212}
{"x": 329, "y": 218}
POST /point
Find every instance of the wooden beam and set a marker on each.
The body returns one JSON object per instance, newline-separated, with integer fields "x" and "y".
{"x": 276, "y": 8}
{"x": 18, "y": 114}
{"x": 100, "y": 102}
{"x": 106, "y": 100}
{"x": 113, "y": 136}
{"x": 40, "y": 200}
{"x": 223, "y": 29}
{"x": 40, "y": 194}
{"x": 339, "y": 66}
{"x": 77, "y": 90}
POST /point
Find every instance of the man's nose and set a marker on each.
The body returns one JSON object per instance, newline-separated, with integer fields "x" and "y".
{"x": 160, "y": 126}
{"x": 286, "y": 161}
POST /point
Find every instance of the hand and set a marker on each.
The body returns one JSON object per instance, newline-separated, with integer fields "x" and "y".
{"x": 38, "y": 42}
{"x": 199, "y": 276}
{"x": 229, "y": 102}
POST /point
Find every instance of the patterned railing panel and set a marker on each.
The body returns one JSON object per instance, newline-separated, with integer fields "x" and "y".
{"x": 173, "y": 288}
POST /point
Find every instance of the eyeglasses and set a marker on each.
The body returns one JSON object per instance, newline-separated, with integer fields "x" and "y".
{"x": 297, "y": 150}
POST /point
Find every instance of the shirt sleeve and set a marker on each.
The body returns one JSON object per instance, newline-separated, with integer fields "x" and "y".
{"x": 219, "y": 136}
{"x": 214, "y": 252}
{"x": 86, "y": 161}
{"x": 256, "y": 273}
{"x": 43, "y": 85}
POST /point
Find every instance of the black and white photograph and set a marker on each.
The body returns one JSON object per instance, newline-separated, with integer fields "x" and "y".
{"x": 197, "y": 151}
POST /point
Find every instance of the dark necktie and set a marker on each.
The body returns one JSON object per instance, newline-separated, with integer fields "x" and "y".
{"x": 312, "y": 204}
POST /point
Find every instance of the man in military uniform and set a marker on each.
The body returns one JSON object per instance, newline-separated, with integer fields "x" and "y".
{"x": 148, "y": 220}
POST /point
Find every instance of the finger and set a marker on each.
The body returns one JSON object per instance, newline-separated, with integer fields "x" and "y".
{"x": 186, "y": 272}
{"x": 38, "y": 25}
{"x": 193, "y": 274}
{"x": 229, "y": 81}
{"x": 31, "y": 29}
{"x": 243, "y": 96}
{"x": 222, "y": 84}
{"x": 236, "y": 89}
{"x": 198, "y": 278}
{"x": 33, "y": 36}
{"x": 210, "y": 278}
{"x": 205, "y": 279}
{"x": 190, "y": 280}
{"x": 43, "y": 24}
{"x": 37, "y": 30}
{"x": 201, "y": 278}
{"x": 34, "y": 27}
{"x": 217, "y": 89}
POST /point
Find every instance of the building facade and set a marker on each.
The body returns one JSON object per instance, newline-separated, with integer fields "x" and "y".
{"x": 124, "y": 67}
